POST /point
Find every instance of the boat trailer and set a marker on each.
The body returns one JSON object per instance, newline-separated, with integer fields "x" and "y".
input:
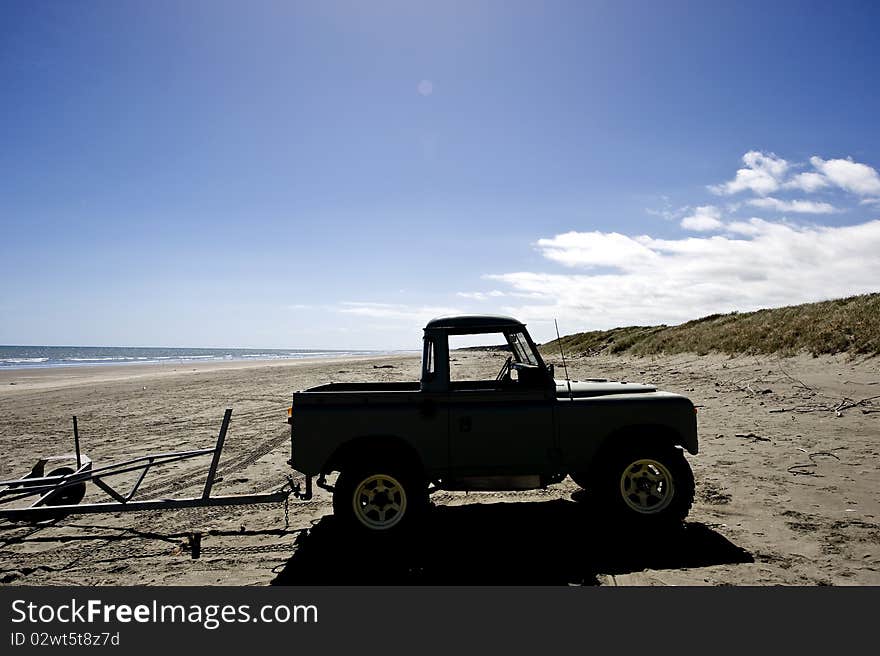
{"x": 60, "y": 491}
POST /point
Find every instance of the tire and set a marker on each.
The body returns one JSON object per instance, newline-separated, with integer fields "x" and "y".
{"x": 644, "y": 484}
{"x": 68, "y": 496}
{"x": 379, "y": 499}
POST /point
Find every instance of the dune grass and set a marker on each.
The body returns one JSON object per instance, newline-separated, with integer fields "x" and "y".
{"x": 847, "y": 325}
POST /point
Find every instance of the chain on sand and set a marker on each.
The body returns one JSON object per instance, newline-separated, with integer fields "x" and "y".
{"x": 194, "y": 517}
{"x": 250, "y": 549}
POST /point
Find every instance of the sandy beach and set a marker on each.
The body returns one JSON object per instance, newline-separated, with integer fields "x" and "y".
{"x": 787, "y": 481}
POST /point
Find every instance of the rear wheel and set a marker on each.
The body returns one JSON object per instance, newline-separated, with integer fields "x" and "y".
{"x": 645, "y": 484}
{"x": 379, "y": 499}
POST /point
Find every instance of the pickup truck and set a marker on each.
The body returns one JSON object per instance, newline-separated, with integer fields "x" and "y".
{"x": 393, "y": 443}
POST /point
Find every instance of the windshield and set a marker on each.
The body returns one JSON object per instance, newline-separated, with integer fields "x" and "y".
{"x": 522, "y": 350}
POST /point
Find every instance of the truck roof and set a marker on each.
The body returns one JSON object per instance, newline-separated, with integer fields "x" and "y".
{"x": 473, "y": 323}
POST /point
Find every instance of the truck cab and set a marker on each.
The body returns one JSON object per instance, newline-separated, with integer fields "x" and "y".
{"x": 501, "y": 430}
{"x": 524, "y": 368}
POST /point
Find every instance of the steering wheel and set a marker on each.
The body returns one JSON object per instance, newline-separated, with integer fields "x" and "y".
{"x": 504, "y": 374}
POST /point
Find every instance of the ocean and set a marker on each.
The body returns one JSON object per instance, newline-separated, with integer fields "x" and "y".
{"x": 26, "y": 357}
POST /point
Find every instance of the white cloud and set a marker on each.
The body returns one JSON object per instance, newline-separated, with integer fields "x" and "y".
{"x": 410, "y": 313}
{"x": 705, "y": 218}
{"x": 736, "y": 264}
{"x": 481, "y": 296}
{"x": 851, "y": 176}
{"x": 750, "y": 228}
{"x": 667, "y": 212}
{"x": 765, "y": 173}
{"x": 808, "y": 182}
{"x": 798, "y": 206}
{"x": 597, "y": 248}
{"x": 757, "y": 264}
{"x": 762, "y": 174}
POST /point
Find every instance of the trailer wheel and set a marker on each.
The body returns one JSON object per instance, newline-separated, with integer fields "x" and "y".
{"x": 378, "y": 499}
{"x": 68, "y": 496}
{"x": 644, "y": 484}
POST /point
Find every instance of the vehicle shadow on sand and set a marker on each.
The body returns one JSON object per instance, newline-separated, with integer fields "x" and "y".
{"x": 527, "y": 543}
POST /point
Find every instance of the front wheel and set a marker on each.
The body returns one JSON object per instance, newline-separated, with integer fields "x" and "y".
{"x": 378, "y": 499}
{"x": 644, "y": 484}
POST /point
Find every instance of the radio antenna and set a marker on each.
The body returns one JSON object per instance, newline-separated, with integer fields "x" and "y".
{"x": 564, "y": 367}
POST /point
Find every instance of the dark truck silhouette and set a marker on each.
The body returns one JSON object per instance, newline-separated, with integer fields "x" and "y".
{"x": 393, "y": 443}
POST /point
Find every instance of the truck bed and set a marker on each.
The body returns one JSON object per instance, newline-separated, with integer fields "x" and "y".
{"x": 364, "y": 387}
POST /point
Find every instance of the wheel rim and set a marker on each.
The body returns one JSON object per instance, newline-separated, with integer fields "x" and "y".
{"x": 646, "y": 486}
{"x": 379, "y": 502}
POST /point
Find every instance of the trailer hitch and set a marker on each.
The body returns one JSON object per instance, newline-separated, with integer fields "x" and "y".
{"x": 297, "y": 489}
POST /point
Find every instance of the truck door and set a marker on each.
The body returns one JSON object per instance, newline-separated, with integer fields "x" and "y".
{"x": 501, "y": 431}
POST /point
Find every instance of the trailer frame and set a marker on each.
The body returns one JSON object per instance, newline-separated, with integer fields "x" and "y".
{"x": 59, "y": 493}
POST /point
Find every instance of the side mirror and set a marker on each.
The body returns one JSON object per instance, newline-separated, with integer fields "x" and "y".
{"x": 551, "y": 370}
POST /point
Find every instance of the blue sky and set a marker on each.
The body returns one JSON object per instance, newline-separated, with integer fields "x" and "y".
{"x": 282, "y": 174}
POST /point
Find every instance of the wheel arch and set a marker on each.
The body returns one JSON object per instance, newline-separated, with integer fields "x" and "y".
{"x": 360, "y": 448}
{"x": 645, "y": 433}
{"x": 680, "y": 436}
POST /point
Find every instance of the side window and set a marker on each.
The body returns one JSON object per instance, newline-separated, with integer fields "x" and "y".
{"x": 476, "y": 357}
{"x": 428, "y": 359}
{"x": 521, "y": 349}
